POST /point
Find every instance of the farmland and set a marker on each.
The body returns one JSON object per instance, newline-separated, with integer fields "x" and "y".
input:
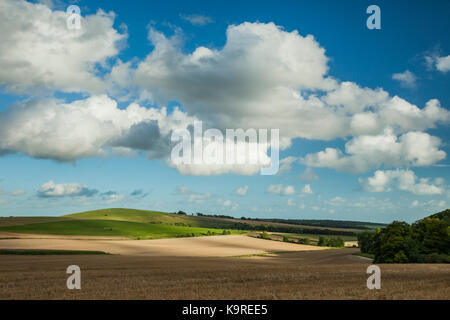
{"x": 325, "y": 274}
{"x": 136, "y": 254}
{"x": 144, "y": 224}
{"x": 135, "y": 230}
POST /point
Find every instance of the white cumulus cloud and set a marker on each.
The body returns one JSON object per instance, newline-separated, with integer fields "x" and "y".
{"x": 307, "y": 189}
{"x": 280, "y": 189}
{"x": 242, "y": 191}
{"x": 51, "y": 189}
{"x": 404, "y": 180}
{"x": 366, "y": 152}
{"x": 406, "y": 78}
{"x": 52, "y": 129}
{"x": 38, "y": 51}
{"x": 443, "y": 64}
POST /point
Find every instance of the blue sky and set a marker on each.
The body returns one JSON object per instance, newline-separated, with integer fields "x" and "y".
{"x": 84, "y": 159}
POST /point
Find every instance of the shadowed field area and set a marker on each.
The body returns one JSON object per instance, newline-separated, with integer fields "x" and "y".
{"x": 328, "y": 274}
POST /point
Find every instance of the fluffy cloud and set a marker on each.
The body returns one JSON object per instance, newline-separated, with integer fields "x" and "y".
{"x": 307, "y": 189}
{"x": 404, "y": 180}
{"x": 406, "y": 79}
{"x": 265, "y": 88}
{"x": 242, "y": 191}
{"x": 52, "y": 129}
{"x": 353, "y": 99}
{"x": 51, "y": 189}
{"x": 435, "y": 61}
{"x": 196, "y": 19}
{"x": 366, "y": 152}
{"x": 263, "y": 77}
{"x": 111, "y": 197}
{"x": 249, "y": 157}
{"x": 431, "y": 205}
{"x": 280, "y": 189}
{"x": 258, "y": 85}
{"x": 443, "y": 64}
{"x": 38, "y": 51}
{"x": 215, "y": 169}
{"x": 228, "y": 203}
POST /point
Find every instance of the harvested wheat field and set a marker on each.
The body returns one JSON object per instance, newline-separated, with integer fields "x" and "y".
{"x": 214, "y": 246}
{"x": 327, "y": 274}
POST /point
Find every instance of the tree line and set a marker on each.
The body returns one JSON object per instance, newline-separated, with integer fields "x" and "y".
{"x": 424, "y": 241}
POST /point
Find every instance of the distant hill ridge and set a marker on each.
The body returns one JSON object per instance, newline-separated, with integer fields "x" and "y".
{"x": 157, "y": 216}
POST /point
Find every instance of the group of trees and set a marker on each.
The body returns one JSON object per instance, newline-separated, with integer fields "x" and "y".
{"x": 296, "y": 240}
{"x": 330, "y": 242}
{"x": 426, "y": 240}
{"x": 323, "y": 223}
{"x": 199, "y": 214}
{"x": 276, "y": 228}
{"x": 285, "y": 229}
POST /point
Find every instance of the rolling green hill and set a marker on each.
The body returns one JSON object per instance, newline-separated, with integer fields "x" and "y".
{"x": 91, "y": 227}
{"x": 134, "y": 215}
{"x": 205, "y": 221}
{"x": 145, "y": 224}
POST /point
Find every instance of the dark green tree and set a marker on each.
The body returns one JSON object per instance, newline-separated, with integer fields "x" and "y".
{"x": 391, "y": 246}
{"x": 432, "y": 236}
{"x": 323, "y": 242}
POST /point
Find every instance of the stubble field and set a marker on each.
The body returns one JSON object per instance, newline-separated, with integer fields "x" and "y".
{"x": 327, "y": 274}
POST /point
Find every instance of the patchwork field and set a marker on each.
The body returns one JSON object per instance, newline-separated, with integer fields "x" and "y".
{"x": 155, "y": 255}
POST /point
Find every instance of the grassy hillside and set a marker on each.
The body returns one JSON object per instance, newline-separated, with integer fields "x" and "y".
{"x": 135, "y": 230}
{"x": 133, "y": 215}
{"x": 14, "y": 221}
{"x": 145, "y": 224}
{"x": 205, "y": 221}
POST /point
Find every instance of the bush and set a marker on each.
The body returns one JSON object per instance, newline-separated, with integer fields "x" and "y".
{"x": 323, "y": 242}
{"x": 304, "y": 241}
{"x": 337, "y": 243}
{"x": 264, "y": 235}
